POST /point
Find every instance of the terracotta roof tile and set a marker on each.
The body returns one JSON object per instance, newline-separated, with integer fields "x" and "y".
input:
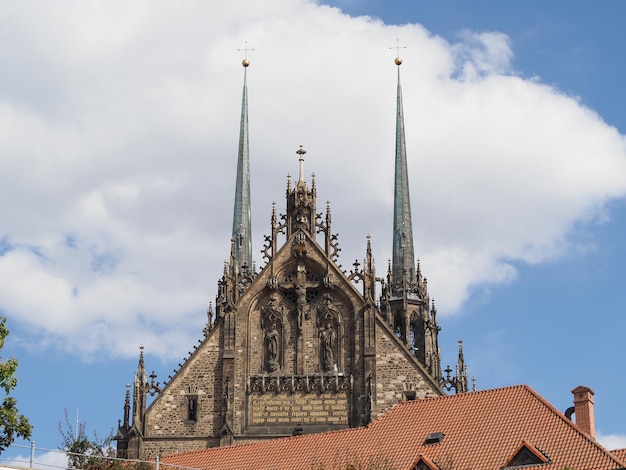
{"x": 482, "y": 431}
{"x": 620, "y": 454}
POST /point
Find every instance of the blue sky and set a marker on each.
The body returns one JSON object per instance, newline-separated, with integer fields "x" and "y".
{"x": 118, "y": 139}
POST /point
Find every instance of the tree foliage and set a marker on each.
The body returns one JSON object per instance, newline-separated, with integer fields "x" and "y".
{"x": 12, "y": 423}
{"x": 92, "y": 454}
{"x": 81, "y": 451}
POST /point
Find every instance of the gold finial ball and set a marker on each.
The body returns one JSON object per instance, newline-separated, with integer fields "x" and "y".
{"x": 398, "y": 61}
{"x": 245, "y": 62}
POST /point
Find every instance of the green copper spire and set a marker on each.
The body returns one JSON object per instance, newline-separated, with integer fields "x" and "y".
{"x": 242, "y": 218}
{"x": 403, "y": 255}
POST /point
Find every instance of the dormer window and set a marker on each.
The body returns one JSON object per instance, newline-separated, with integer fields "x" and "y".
{"x": 527, "y": 455}
{"x": 424, "y": 463}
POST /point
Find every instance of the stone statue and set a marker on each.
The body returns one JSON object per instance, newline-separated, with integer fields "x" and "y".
{"x": 301, "y": 303}
{"x": 272, "y": 341}
{"x": 329, "y": 339}
{"x": 271, "y": 322}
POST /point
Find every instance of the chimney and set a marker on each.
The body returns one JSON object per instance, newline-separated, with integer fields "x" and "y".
{"x": 583, "y": 409}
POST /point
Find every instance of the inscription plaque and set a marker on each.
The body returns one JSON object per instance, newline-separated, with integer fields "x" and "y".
{"x": 305, "y": 408}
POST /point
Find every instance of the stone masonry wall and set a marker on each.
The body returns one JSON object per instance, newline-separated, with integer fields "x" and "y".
{"x": 160, "y": 447}
{"x": 396, "y": 372}
{"x": 199, "y": 377}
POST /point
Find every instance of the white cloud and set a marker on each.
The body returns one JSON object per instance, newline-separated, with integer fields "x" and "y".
{"x": 481, "y": 54}
{"x": 118, "y": 141}
{"x": 612, "y": 441}
{"x": 41, "y": 460}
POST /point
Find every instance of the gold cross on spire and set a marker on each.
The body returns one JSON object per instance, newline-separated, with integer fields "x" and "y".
{"x": 245, "y": 62}
{"x": 397, "y": 47}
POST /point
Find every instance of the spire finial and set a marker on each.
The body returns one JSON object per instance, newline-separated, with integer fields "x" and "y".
{"x": 245, "y": 62}
{"x": 397, "y": 47}
{"x": 301, "y": 152}
{"x": 209, "y": 314}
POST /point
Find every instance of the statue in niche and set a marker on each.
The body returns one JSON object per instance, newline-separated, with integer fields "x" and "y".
{"x": 328, "y": 321}
{"x": 272, "y": 340}
{"x": 272, "y": 325}
{"x": 329, "y": 340}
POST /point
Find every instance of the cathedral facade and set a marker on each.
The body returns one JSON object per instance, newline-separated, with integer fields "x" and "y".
{"x": 299, "y": 346}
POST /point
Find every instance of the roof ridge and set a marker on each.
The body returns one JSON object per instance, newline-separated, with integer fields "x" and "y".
{"x": 271, "y": 441}
{"x": 572, "y": 424}
{"x": 408, "y": 403}
{"x": 616, "y": 453}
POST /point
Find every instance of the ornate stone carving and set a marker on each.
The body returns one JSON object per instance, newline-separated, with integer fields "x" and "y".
{"x": 328, "y": 325}
{"x": 272, "y": 324}
{"x": 329, "y": 344}
{"x": 272, "y": 341}
{"x": 259, "y": 384}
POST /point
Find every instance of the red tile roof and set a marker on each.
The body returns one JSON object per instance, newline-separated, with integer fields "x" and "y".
{"x": 620, "y": 454}
{"x": 482, "y": 430}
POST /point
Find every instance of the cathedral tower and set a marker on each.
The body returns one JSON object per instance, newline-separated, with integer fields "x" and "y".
{"x": 300, "y": 346}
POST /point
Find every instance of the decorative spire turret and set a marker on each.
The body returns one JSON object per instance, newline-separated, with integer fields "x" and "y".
{"x": 301, "y": 202}
{"x": 461, "y": 371}
{"x": 139, "y": 392}
{"x": 127, "y": 408}
{"x": 242, "y": 217}
{"x": 123, "y": 428}
{"x": 458, "y": 382}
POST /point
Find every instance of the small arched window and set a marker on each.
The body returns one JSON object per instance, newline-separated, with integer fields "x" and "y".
{"x": 192, "y": 408}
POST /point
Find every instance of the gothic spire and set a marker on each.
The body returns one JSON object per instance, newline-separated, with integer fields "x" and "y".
{"x": 242, "y": 218}
{"x": 139, "y": 390}
{"x": 127, "y": 408}
{"x": 403, "y": 253}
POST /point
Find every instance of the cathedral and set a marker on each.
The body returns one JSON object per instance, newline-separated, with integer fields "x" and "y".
{"x": 300, "y": 346}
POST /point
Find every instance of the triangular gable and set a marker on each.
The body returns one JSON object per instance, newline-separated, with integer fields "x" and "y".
{"x": 198, "y": 349}
{"x": 525, "y": 455}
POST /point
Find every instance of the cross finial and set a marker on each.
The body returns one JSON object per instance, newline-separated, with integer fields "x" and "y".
{"x": 301, "y": 153}
{"x": 245, "y": 62}
{"x": 397, "y": 47}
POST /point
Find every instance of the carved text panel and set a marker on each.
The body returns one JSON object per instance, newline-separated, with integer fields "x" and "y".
{"x": 308, "y": 408}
